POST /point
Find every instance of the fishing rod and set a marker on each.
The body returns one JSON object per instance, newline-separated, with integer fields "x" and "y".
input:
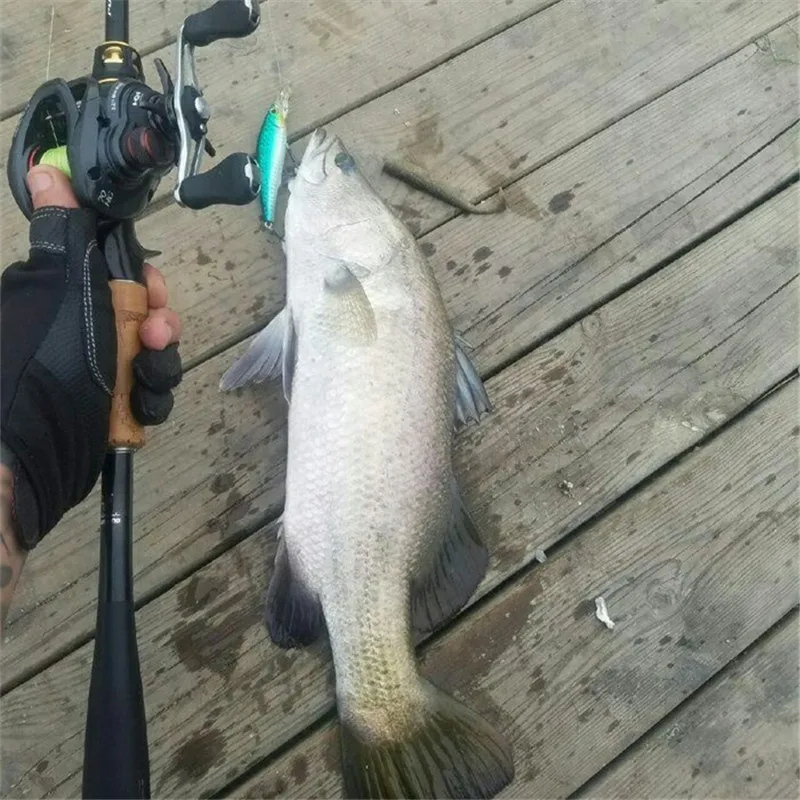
{"x": 116, "y": 138}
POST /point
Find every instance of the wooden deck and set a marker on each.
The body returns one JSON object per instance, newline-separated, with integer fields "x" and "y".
{"x": 635, "y": 314}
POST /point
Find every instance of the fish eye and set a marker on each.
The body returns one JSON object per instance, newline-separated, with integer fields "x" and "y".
{"x": 345, "y": 162}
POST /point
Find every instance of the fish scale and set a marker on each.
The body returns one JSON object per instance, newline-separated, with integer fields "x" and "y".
{"x": 376, "y": 544}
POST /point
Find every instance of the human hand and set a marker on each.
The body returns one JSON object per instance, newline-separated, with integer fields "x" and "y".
{"x": 58, "y": 358}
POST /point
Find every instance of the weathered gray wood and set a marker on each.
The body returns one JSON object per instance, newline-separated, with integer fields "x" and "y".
{"x": 222, "y": 449}
{"x": 637, "y": 183}
{"x": 77, "y": 28}
{"x": 335, "y": 54}
{"x": 637, "y": 178}
{"x": 738, "y": 738}
{"x": 679, "y": 565}
{"x": 601, "y": 406}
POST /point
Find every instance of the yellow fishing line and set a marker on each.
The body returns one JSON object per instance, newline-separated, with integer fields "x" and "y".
{"x": 57, "y": 157}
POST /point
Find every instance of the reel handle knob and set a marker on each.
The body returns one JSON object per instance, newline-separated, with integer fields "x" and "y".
{"x": 235, "y": 181}
{"x": 226, "y": 19}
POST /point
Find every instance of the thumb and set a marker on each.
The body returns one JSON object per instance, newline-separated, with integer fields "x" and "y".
{"x": 50, "y": 187}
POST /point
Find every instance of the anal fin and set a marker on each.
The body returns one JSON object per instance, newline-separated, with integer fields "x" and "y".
{"x": 455, "y": 574}
{"x": 293, "y": 612}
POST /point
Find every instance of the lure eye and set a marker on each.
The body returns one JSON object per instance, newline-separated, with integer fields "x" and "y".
{"x": 345, "y": 162}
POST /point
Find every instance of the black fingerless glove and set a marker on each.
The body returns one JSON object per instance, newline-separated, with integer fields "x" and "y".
{"x": 58, "y": 342}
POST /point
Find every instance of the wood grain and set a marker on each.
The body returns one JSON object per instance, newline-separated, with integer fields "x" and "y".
{"x": 679, "y": 564}
{"x": 194, "y": 492}
{"x": 209, "y": 495}
{"x": 642, "y": 193}
{"x": 736, "y": 738}
{"x": 31, "y": 53}
{"x": 597, "y": 410}
{"x": 376, "y": 45}
{"x": 640, "y": 188}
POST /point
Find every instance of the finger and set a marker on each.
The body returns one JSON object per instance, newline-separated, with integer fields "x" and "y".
{"x": 50, "y": 187}
{"x": 162, "y": 327}
{"x": 157, "y": 296}
{"x": 158, "y": 370}
{"x": 150, "y": 408}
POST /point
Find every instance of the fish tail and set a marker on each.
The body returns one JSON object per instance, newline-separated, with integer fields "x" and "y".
{"x": 445, "y": 751}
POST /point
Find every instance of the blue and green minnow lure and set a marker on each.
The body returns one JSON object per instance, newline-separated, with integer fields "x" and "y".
{"x": 271, "y": 152}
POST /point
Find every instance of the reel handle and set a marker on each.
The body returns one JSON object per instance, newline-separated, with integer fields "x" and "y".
{"x": 235, "y": 181}
{"x": 226, "y": 19}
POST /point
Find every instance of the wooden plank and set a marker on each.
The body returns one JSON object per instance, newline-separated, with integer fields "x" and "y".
{"x": 679, "y": 565}
{"x": 637, "y": 180}
{"x": 544, "y": 99}
{"x": 376, "y": 45}
{"x": 224, "y": 478}
{"x": 639, "y": 184}
{"x": 737, "y": 738}
{"x": 601, "y": 406}
{"x": 44, "y": 38}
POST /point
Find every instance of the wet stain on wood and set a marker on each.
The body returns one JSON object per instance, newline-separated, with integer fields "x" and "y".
{"x": 195, "y": 757}
{"x": 560, "y": 202}
{"x": 213, "y": 641}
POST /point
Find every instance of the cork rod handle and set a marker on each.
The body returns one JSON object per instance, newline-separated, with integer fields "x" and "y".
{"x": 130, "y": 310}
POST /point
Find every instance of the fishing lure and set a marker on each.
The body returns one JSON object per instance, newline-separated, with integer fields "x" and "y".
{"x": 271, "y": 152}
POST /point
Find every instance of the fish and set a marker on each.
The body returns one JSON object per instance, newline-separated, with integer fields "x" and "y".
{"x": 414, "y": 176}
{"x": 271, "y": 154}
{"x": 376, "y": 544}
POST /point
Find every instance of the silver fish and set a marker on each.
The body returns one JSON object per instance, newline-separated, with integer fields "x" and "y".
{"x": 376, "y": 543}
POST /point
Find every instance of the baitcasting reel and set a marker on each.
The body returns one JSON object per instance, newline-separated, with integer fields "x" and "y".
{"x": 115, "y": 137}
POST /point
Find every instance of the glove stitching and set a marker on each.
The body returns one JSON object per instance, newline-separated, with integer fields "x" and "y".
{"x": 44, "y": 213}
{"x": 56, "y": 248}
{"x": 88, "y": 314}
{"x": 40, "y": 212}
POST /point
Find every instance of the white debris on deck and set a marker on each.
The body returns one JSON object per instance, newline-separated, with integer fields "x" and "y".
{"x": 601, "y": 612}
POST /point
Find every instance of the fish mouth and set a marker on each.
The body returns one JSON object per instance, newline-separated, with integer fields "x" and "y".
{"x": 313, "y": 164}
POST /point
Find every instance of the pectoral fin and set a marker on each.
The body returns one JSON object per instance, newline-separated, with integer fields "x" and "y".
{"x": 456, "y": 572}
{"x": 471, "y": 397}
{"x": 270, "y": 354}
{"x": 350, "y": 313}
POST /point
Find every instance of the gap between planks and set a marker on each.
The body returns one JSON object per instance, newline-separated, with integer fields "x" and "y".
{"x": 695, "y": 665}
{"x": 700, "y": 695}
{"x": 722, "y": 364}
{"x": 270, "y": 516}
{"x": 495, "y": 594}
{"x": 250, "y": 525}
{"x": 656, "y": 268}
